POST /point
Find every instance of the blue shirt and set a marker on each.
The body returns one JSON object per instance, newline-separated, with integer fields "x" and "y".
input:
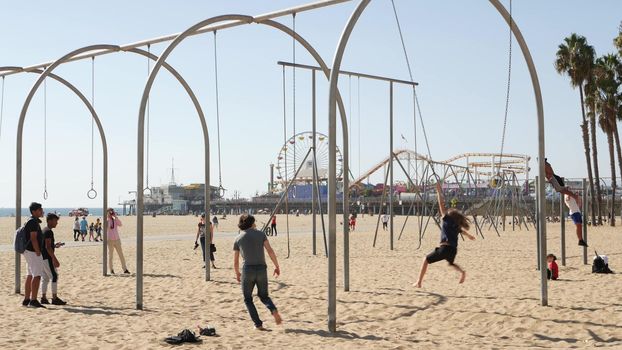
{"x": 83, "y": 225}
{"x": 449, "y": 231}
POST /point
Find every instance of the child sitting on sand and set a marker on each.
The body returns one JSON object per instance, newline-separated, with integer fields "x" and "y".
{"x": 553, "y": 270}
{"x": 453, "y": 223}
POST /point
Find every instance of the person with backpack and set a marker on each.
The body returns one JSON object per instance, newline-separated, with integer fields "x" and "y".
{"x": 577, "y": 218}
{"x": 50, "y": 262}
{"x": 32, "y": 252}
{"x": 251, "y": 244}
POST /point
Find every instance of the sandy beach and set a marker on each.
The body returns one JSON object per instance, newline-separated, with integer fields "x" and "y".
{"x": 498, "y": 307}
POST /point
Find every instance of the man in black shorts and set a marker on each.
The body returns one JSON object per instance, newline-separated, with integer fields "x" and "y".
{"x": 453, "y": 223}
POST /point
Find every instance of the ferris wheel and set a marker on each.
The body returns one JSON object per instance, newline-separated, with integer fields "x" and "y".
{"x": 293, "y": 153}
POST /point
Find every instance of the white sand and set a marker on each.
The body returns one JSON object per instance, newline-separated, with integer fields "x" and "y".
{"x": 498, "y": 307}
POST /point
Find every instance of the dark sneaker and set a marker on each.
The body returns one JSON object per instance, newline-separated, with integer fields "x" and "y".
{"x": 44, "y": 301}
{"x": 58, "y": 301}
{"x": 112, "y": 272}
{"x": 126, "y": 272}
{"x": 35, "y": 304}
{"x": 25, "y": 302}
{"x": 582, "y": 243}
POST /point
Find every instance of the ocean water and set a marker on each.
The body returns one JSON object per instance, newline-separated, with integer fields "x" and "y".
{"x": 61, "y": 211}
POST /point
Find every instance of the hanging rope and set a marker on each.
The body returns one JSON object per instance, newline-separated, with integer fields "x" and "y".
{"x": 2, "y": 107}
{"x": 415, "y": 97}
{"x": 91, "y": 194}
{"x": 349, "y": 117}
{"x": 147, "y": 188}
{"x": 45, "y": 139}
{"x": 220, "y": 188}
{"x": 507, "y": 93}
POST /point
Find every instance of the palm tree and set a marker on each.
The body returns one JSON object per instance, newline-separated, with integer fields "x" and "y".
{"x": 575, "y": 58}
{"x": 608, "y": 105}
{"x": 590, "y": 102}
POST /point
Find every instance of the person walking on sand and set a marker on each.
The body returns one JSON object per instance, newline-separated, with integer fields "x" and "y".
{"x": 50, "y": 262}
{"x": 577, "y": 218}
{"x": 84, "y": 226}
{"x": 114, "y": 241}
{"x": 33, "y": 256}
{"x": 76, "y": 229}
{"x": 201, "y": 236}
{"x": 98, "y": 230}
{"x": 385, "y": 221}
{"x": 453, "y": 223}
{"x": 273, "y": 226}
{"x": 91, "y": 231}
{"x": 251, "y": 244}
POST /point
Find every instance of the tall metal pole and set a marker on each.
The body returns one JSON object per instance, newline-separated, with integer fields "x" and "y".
{"x": 391, "y": 164}
{"x": 539, "y": 248}
{"x": 584, "y": 212}
{"x": 332, "y": 165}
{"x": 562, "y": 220}
{"x": 315, "y": 179}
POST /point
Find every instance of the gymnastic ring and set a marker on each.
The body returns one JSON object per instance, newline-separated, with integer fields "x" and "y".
{"x": 45, "y": 194}
{"x": 497, "y": 181}
{"x": 92, "y": 194}
{"x": 147, "y": 190}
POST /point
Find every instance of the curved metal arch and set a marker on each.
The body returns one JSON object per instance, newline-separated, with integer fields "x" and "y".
{"x": 332, "y": 161}
{"x": 141, "y": 149}
{"x": 20, "y": 132}
{"x": 345, "y": 147}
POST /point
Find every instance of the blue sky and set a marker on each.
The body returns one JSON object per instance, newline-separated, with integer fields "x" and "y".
{"x": 458, "y": 48}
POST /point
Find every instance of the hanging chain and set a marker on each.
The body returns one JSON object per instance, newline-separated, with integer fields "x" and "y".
{"x": 148, "y": 115}
{"x": 2, "y": 107}
{"x": 92, "y": 120}
{"x": 45, "y": 139}
{"x": 507, "y": 94}
{"x": 217, "y": 112}
{"x": 294, "y": 83}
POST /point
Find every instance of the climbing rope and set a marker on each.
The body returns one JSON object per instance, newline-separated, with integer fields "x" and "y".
{"x": 91, "y": 194}
{"x": 221, "y": 189}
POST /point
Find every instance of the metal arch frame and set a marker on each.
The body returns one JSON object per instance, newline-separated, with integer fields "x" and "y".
{"x": 332, "y": 193}
{"x": 68, "y": 57}
{"x": 345, "y": 147}
{"x": 140, "y": 146}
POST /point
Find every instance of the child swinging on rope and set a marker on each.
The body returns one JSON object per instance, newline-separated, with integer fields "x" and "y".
{"x": 453, "y": 223}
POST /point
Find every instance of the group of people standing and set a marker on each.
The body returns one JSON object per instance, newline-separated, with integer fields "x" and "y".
{"x": 40, "y": 255}
{"x": 81, "y": 227}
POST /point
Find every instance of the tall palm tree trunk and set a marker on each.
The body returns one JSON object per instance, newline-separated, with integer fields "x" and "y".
{"x": 612, "y": 164}
{"x": 597, "y": 218}
{"x": 618, "y": 148}
{"x": 586, "y": 146}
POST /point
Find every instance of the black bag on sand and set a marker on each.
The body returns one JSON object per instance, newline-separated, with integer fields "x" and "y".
{"x": 185, "y": 336}
{"x": 208, "y": 331}
{"x": 599, "y": 265}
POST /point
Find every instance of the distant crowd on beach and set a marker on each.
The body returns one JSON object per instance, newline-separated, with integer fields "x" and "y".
{"x": 82, "y": 226}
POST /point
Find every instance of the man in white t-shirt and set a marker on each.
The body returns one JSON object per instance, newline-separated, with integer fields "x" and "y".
{"x": 577, "y": 218}
{"x": 385, "y": 221}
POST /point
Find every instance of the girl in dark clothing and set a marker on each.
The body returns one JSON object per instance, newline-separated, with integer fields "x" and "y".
{"x": 453, "y": 223}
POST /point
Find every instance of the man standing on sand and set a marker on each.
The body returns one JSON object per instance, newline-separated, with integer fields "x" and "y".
{"x": 385, "y": 221}
{"x": 251, "y": 243}
{"x": 273, "y": 226}
{"x": 33, "y": 256}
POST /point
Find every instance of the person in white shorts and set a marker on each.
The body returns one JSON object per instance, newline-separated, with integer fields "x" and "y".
{"x": 33, "y": 256}
{"x": 577, "y": 218}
